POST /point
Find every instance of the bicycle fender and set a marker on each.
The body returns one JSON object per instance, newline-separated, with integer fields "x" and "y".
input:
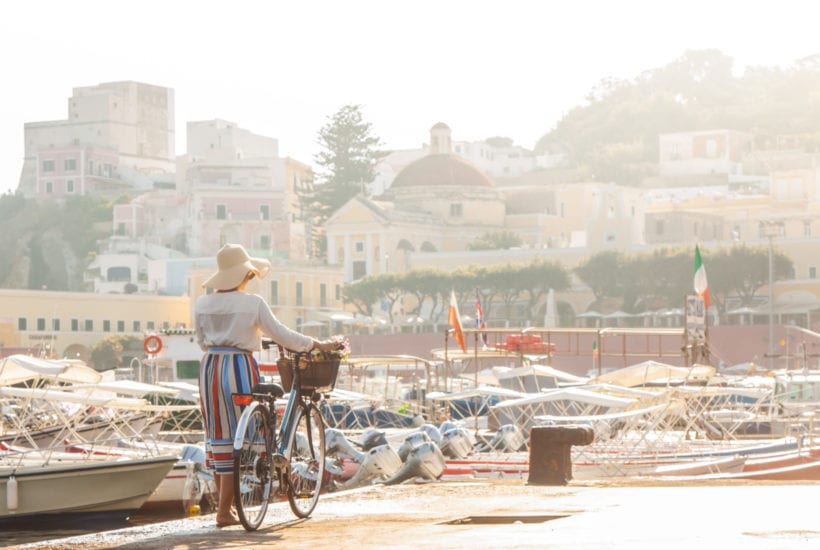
{"x": 242, "y": 424}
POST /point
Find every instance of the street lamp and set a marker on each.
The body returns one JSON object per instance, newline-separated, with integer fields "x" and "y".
{"x": 770, "y": 230}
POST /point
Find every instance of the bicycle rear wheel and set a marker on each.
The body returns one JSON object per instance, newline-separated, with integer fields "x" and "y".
{"x": 306, "y": 452}
{"x": 252, "y": 469}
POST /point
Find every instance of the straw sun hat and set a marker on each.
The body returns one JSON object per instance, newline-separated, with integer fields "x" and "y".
{"x": 233, "y": 264}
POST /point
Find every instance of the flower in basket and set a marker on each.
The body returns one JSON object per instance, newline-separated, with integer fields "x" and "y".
{"x": 342, "y": 349}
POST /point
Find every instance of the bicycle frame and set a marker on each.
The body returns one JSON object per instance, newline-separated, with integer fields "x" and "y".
{"x": 285, "y": 424}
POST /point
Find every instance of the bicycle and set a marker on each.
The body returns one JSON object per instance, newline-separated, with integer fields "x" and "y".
{"x": 291, "y": 462}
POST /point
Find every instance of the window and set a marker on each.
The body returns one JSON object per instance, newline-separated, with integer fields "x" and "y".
{"x": 135, "y": 327}
{"x": 298, "y": 293}
{"x": 187, "y": 369}
{"x": 22, "y": 323}
{"x": 120, "y": 326}
{"x": 70, "y": 165}
{"x": 149, "y": 325}
{"x": 106, "y": 326}
{"x": 120, "y": 228}
{"x": 107, "y": 170}
{"x": 55, "y": 325}
{"x": 812, "y": 272}
{"x": 338, "y": 292}
{"x": 49, "y": 187}
{"x": 359, "y": 246}
{"x": 264, "y": 211}
{"x": 48, "y": 166}
{"x": 221, "y": 212}
{"x": 75, "y": 325}
{"x": 118, "y": 274}
{"x": 69, "y": 186}
{"x": 90, "y": 166}
{"x": 359, "y": 270}
{"x": 456, "y": 209}
{"x": 41, "y": 323}
{"x": 274, "y": 293}
{"x": 807, "y": 229}
{"x": 323, "y": 295}
{"x": 89, "y": 325}
{"x": 166, "y": 325}
{"x": 264, "y": 242}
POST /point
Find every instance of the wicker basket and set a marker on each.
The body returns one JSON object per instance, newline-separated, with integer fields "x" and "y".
{"x": 315, "y": 374}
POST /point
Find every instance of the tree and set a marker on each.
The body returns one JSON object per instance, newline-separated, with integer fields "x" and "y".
{"x": 108, "y": 352}
{"x": 496, "y": 240}
{"x": 600, "y": 274}
{"x": 347, "y": 162}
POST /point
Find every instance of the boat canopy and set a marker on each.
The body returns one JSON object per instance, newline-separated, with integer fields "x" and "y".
{"x": 650, "y": 371}
{"x": 569, "y": 394}
{"x": 19, "y": 368}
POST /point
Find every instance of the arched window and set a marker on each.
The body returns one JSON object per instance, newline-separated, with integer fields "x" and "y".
{"x": 405, "y": 246}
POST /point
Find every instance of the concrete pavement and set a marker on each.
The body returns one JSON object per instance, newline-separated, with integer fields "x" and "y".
{"x": 608, "y": 514}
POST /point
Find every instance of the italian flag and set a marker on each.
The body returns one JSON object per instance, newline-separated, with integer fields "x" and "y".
{"x": 701, "y": 286}
{"x": 455, "y": 321}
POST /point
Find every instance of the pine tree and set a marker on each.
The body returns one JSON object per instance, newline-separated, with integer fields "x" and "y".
{"x": 346, "y": 165}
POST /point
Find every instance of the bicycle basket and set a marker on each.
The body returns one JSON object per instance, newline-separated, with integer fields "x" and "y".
{"x": 315, "y": 373}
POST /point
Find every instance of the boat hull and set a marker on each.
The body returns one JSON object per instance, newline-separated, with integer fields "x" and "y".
{"x": 116, "y": 487}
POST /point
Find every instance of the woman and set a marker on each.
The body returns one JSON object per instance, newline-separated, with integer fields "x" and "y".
{"x": 230, "y": 324}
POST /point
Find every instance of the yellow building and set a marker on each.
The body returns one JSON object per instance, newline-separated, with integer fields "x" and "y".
{"x": 62, "y": 324}
{"x": 306, "y": 296}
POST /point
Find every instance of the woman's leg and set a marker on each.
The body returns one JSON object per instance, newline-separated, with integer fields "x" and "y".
{"x": 224, "y": 515}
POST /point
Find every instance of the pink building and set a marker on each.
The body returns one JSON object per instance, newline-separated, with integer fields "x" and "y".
{"x": 63, "y": 172}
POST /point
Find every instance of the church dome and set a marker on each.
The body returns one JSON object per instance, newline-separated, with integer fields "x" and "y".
{"x": 440, "y": 170}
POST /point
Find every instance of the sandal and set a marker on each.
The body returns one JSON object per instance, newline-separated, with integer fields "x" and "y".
{"x": 228, "y": 522}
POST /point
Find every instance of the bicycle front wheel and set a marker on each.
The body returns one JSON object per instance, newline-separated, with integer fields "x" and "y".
{"x": 306, "y": 452}
{"x": 252, "y": 469}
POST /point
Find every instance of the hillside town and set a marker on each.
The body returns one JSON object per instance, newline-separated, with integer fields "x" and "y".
{"x": 423, "y": 210}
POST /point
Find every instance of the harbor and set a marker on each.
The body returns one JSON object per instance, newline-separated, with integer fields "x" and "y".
{"x": 446, "y": 450}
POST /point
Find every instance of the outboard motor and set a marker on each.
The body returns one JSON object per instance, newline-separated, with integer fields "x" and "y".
{"x": 379, "y": 463}
{"x": 446, "y": 426}
{"x": 425, "y": 461}
{"x": 507, "y": 439}
{"x": 456, "y": 443}
{"x": 432, "y": 432}
{"x": 372, "y": 438}
{"x": 336, "y": 444}
{"x": 410, "y": 442}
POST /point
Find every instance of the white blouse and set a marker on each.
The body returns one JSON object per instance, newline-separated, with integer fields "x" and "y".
{"x": 237, "y": 319}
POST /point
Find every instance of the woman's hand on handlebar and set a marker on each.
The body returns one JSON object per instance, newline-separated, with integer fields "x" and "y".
{"x": 327, "y": 345}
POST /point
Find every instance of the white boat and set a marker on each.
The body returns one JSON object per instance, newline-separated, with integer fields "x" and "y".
{"x": 114, "y": 488}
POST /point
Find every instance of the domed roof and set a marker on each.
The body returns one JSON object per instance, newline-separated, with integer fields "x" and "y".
{"x": 440, "y": 170}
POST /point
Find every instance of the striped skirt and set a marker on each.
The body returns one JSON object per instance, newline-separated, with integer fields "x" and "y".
{"x": 223, "y": 371}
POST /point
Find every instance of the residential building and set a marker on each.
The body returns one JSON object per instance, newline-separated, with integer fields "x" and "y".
{"x": 114, "y": 131}
{"x": 702, "y": 152}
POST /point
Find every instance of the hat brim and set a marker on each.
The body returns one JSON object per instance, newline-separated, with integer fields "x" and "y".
{"x": 227, "y": 279}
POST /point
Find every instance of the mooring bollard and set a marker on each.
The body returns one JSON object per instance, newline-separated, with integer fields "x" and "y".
{"x": 550, "y": 458}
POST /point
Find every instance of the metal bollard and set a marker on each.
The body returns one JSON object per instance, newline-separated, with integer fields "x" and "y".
{"x": 550, "y": 446}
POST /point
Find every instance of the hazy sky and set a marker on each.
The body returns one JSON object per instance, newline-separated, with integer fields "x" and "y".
{"x": 279, "y": 69}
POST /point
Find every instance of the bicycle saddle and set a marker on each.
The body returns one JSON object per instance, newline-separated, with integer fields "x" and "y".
{"x": 272, "y": 389}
